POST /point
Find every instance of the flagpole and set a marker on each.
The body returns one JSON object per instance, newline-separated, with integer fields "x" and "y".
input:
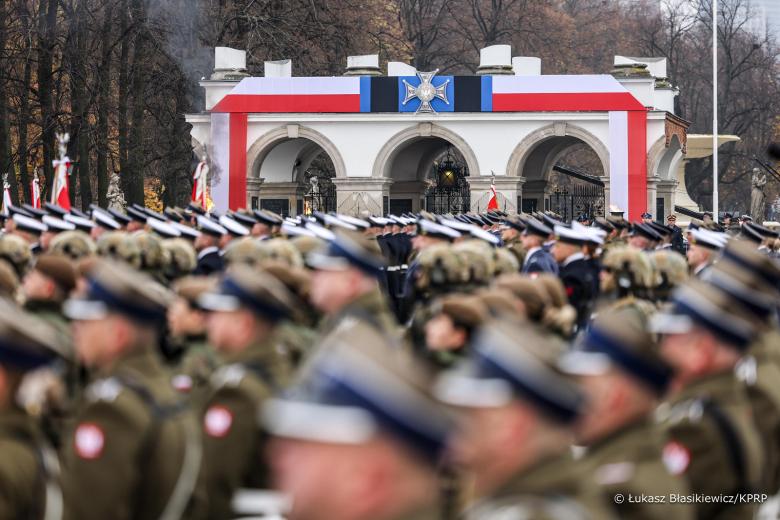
{"x": 715, "y": 110}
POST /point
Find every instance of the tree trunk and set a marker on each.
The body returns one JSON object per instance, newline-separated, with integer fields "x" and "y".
{"x": 134, "y": 175}
{"x": 103, "y": 88}
{"x": 23, "y": 120}
{"x": 47, "y": 23}
{"x": 6, "y": 165}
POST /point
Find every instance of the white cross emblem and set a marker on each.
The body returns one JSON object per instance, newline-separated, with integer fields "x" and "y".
{"x": 426, "y": 92}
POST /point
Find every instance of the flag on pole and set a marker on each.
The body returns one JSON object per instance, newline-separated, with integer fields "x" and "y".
{"x": 6, "y": 195}
{"x": 62, "y": 166}
{"x": 493, "y": 202}
{"x": 200, "y": 184}
{"x": 36, "y": 192}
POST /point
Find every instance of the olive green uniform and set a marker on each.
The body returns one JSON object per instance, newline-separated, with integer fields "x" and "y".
{"x": 714, "y": 442}
{"x": 197, "y": 364}
{"x": 371, "y": 307}
{"x": 515, "y": 246}
{"x": 628, "y": 463}
{"x": 23, "y": 474}
{"x": 552, "y": 489}
{"x": 233, "y": 441}
{"x": 133, "y": 443}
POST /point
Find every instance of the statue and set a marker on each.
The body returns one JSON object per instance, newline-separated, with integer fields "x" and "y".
{"x": 757, "y": 197}
{"x": 116, "y": 199}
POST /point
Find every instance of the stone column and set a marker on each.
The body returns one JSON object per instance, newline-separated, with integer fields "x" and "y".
{"x": 357, "y": 194}
{"x": 508, "y": 189}
{"x": 605, "y": 180}
{"x": 652, "y": 194}
{"x": 253, "y": 185}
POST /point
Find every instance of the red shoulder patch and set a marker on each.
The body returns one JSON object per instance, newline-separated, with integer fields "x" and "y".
{"x": 89, "y": 441}
{"x": 218, "y": 421}
{"x": 676, "y": 457}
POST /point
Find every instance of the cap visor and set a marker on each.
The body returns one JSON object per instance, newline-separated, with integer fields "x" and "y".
{"x": 215, "y": 302}
{"x": 84, "y": 310}
{"x": 581, "y": 363}
{"x": 665, "y": 323}
{"x": 317, "y": 422}
{"x": 471, "y": 392}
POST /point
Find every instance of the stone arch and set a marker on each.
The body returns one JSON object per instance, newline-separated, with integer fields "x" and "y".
{"x": 662, "y": 159}
{"x": 521, "y": 153}
{"x": 395, "y": 144}
{"x": 265, "y": 143}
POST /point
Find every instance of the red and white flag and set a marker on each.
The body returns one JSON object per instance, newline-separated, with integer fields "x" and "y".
{"x": 493, "y": 202}
{"x": 59, "y": 190}
{"x": 35, "y": 190}
{"x": 200, "y": 184}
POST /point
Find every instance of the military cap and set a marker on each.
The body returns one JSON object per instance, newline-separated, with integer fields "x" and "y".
{"x": 186, "y": 231}
{"x": 592, "y": 234}
{"x": 552, "y": 221}
{"x": 645, "y": 230}
{"x": 464, "y": 310}
{"x": 16, "y": 210}
{"x": 745, "y": 287}
{"x": 319, "y": 231}
{"x": 173, "y": 214}
{"x": 269, "y": 218}
{"x": 115, "y": 288}
{"x": 750, "y": 234}
{"x": 196, "y": 208}
{"x": 576, "y": 237}
{"x": 349, "y": 249}
{"x": 359, "y": 223}
{"x": 534, "y": 227}
{"x": 646, "y": 215}
{"x": 764, "y": 231}
{"x": 191, "y": 288}
{"x": 137, "y": 215}
{"x": 515, "y": 222}
{"x": 153, "y": 214}
{"x": 15, "y": 251}
{"x": 77, "y": 212}
{"x": 26, "y": 342}
{"x": 233, "y": 228}
{"x": 35, "y": 212}
{"x": 619, "y": 340}
{"x": 247, "y": 288}
{"x": 748, "y": 258}
{"x": 163, "y": 229}
{"x": 120, "y": 217}
{"x": 83, "y": 224}
{"x": 244, "y": 217}
{"x": 291, "y": 229}
{"x": 429, "y": 228}
{"x": 660, "y": 229}
{"x": 583, "y": 217}
{"x": 28, "y": 224}
{"x": 485, "y": 236}
{"x": 54, "y": 209}
{"x": 708, "y": 239}
{"x": 59, "y": 268}
{"x": 461, "y": 227}
{"x": 105, "y": 220}
{"x": 378, "y": 221}
{"x": 359, "y": 390}
{"x": 617, "y": 221}
{"x": 209, "y": 227}
{"x": 55, "y": 225}
{"x": 746, "y": 218}
{"x": 708, "y": 307}
{"x": 501, "y": 370}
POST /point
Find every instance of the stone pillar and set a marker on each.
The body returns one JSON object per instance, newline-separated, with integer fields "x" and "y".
{"x": 652, "y": 194}
{"x": 253, "y": 185}
{"x": 357, "y": 194}
{"x": 508, "y": 188}
{"x": 605, "y": 180}
{"x": 289, "y": 191}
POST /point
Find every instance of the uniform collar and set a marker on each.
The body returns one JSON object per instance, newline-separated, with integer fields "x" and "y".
{"x": 721, "y": 384}
{"x": 530, "y": 253}
{"x": 207, "y": 251}
{"x": 139, "y": 361}
{"x": 573, "y": 258}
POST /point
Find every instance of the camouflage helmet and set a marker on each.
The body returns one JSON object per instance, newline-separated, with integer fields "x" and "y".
{"x": 439, "y": 268}
{"x": 154, "y": 257}
{"x": 631, "y": 272}
{"x": 9, "y": 281}
{"x": 282, "y": 250}
{"x": 120, "y": 246}
{"x": 15, "y": 251}
{"x": 73, "y": 244}
{"x": 244, "y": 251}
{"x": 306, "y": 244}
{"x": 671, "y": 270}
{"x": 478, "y": 258}
{"x": 505, "y": 261}
{"x": 182, "y": 258}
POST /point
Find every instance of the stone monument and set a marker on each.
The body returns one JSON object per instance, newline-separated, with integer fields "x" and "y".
{"x": 757, "y": 196}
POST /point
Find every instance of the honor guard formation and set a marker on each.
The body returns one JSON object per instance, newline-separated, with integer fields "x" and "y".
{"x": 189, "y": 364}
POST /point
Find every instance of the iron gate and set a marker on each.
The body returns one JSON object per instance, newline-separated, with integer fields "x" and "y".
{"x": 577, "y": 199}
{"x": 450, "y": 191}
{"x": 321, "y": 195}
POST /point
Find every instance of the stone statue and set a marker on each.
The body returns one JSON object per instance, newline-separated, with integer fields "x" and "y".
{"x": 757, "y": 197}
{"x": 116, "y": 199}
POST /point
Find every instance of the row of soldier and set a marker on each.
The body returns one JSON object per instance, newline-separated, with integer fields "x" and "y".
{"x": 164, "y": 365}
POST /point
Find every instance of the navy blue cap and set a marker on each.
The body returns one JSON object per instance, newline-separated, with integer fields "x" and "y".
{"x": 646, "y": 215}
{"x": 246, "y": 288}
{"x": 645, "y": 231}
{"x": 16, "y": 210}
{"x": 137, "y": 215}
{"x": 54, "y": 209}
{"x": 78, "y": 213}
{"x": 35, "y": 212}
{"x": 349, "y": 249}
{"x": 244, "y": 218}
{"x": 26, "y": 342}
{"x": 120, "y": 217}
{"x": 534, "y": 227}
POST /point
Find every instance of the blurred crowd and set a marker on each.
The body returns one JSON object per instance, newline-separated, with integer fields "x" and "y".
{"x": 187, "y": 364}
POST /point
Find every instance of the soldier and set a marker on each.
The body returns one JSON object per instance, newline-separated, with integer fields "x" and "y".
{"x": 234, "y": 230}
{"x": 30, "y": 230}
{"x": 379, "y": 436}
{"x": 133, "y": 437}
{"x": 209, "y": 257}
{"x": 575, "y": 271}
{"x": 29, "y": 470}
{"x": 46, "y": 286}
{"x": 73, "y": 244}
{"x": 515, "y": 436}
{"x": 704, "y": 245}
{"x": 643, "y": 237}
{"x": 511, "y": 237}
{"x": 714, "y": 441}
{"x": 624, "y": 376}
{"x": 137, "y": 218}
{"x": 455, "y": 318}
{"x": 54, "y": 227}
{"x": 677, "y": 239}
{"x": 181, "y": 257}
{"x": 537, "y": 259}
{"x": 627, "y": 279}
{"x": 646, "y": 217}
{"x": 244, "y": 314}
{"x": 345, "y": 283}
{"x": 670, "y": 269}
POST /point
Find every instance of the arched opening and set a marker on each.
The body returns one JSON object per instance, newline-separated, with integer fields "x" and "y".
{"x": 428, "y": 173}
{"x": 563, "y": 173}
{"x": 292, "y": 176}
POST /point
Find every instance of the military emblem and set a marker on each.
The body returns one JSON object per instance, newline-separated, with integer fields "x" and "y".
{"x": 218, "y": 421}
{"x": 426, "y": 92}
{"x": 89, "y": 440}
